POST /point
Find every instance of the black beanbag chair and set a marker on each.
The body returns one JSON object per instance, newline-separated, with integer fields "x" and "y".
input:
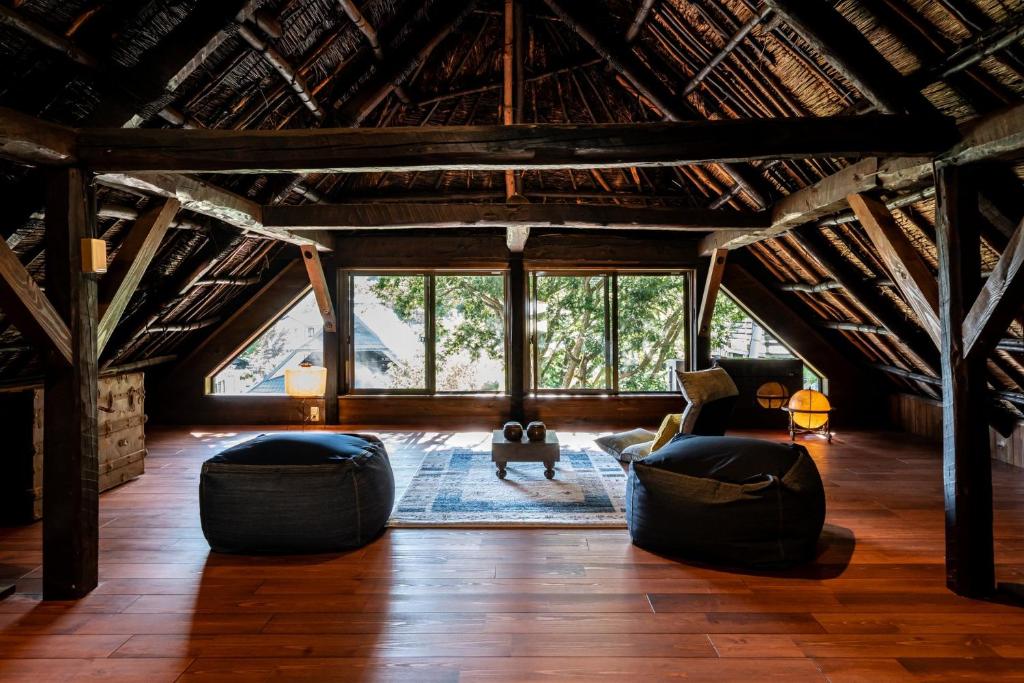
{"x": 724, "y": 499}
{"x": 296, "y": 492}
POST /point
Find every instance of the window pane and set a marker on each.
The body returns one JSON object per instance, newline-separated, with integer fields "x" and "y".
{"x": 470, "y": 327}
{"x": 389, "y": 331}
{"x": 570, "y": 320}
{"x": 651, "y": 331}
{"x": 296, "y": 336}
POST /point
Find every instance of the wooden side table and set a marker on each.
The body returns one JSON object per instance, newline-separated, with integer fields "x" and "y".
{"x": 504, "y": 451}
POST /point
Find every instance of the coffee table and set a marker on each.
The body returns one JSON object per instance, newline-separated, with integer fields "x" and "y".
{"x": 504, "y": 451}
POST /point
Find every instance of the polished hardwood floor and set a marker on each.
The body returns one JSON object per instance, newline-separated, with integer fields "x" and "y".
{"x": 439, "y": 605}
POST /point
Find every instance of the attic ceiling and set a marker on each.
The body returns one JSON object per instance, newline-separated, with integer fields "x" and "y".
{"x": 281, "y": 64}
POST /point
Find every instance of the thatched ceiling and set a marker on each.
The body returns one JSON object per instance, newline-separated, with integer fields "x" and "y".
{"x": 83, "y": 62}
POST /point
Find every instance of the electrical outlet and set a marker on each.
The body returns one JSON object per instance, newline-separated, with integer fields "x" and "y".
{"x": 314, "y": 413}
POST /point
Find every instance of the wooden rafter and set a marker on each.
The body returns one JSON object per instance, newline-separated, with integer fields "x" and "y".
{"x": 129, "y": 265}
{"x": 998, "y": 302}
{"x": 909, "y": 271}
{"x": 321, "y": 289}
{"x": 27, "y": 306}
{"x": 710, "y": 293}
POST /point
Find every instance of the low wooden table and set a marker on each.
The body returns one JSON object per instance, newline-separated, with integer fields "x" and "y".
{"x": 504, "y": 451}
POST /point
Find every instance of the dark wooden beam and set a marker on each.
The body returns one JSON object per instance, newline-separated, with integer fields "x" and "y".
{"x": 967, "y": 471}
{"x": 907, "y": 267}
{"x": 24, "y": 304}
{"x": 999, "y": 135}
{"x": 521, "y": 147}
{"x": 29, "y": 140}
{"x": 129, "y": 265}
{"x": 998, "y": 302}
{"x": 70, "y": 435}
{"x": 321, "y": 288}
{"x": 400, "y": 216}
{"x": 847, "y": 50}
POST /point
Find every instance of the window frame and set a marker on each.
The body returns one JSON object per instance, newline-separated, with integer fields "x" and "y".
{"x": 430, "y": 330}
{"x": 611, "y": 326}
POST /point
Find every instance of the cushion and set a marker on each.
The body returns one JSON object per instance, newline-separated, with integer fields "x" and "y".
{"x": 615, "y": 444}
{"x": 294, "y": 448}
{"x": 637, "y": 451}
{"x": 296, "y": 492}
{"x": 668, "y": 429}
{"x": 729, "y": 500}
{"x": 700, "y": 388}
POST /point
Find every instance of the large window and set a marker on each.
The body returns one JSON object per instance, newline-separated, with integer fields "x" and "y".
{"x": 295, "y": 337}
{"x": 428, "y": 332}
{"x": 607, "y": 332}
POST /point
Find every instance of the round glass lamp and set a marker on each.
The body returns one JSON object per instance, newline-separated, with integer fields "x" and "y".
{"x": 772, "y": 395}
{"x": 809, "y": 412}
{"x": 305, "y": 381}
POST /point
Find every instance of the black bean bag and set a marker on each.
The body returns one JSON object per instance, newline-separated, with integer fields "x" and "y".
{"x": 296, "y": 492}
{"x": 724, "y": 499}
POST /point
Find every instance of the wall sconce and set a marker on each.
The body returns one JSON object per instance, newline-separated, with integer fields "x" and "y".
{"x": 94, "y": 256}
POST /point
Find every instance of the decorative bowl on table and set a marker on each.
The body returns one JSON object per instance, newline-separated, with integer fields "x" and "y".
{"x": 536, "y": 431}
{"x": 513, "y": 431}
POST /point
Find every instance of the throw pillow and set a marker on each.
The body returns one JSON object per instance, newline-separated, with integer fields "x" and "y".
{"x": 669, "y": 428}
{"x": 637, "y": 451}
{"x": 615, "y": 444}
{"x": 700, "y": 387}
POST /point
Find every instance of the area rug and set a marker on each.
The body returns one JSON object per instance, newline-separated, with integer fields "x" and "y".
{"x": 458, "y": 488}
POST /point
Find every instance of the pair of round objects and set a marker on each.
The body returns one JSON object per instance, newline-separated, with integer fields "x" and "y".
{"x": 535, "y": 431}
{"x": 810, "y": 408}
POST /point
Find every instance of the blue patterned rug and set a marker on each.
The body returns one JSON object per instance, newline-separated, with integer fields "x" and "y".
{"x": 458, "y": 487}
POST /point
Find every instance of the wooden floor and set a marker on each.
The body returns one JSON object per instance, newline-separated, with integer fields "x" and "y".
{"x": 520, "y": 605}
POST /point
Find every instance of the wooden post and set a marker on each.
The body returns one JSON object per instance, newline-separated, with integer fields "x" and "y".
{"x": 709, "y": 296}
{"x": 966, "y": 465}
{"x": 518, "y": 347}
{"x": 70, "y": 458}
{"x": 332, "y": 345}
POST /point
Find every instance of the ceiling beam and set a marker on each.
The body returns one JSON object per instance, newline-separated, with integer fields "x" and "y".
{"x": 520, "y": 147}
{"x": 28, "y": 140}
{"x": 603, "y": 216}
{"x": 999, "y": 135}
{"x": 204, "y": 198}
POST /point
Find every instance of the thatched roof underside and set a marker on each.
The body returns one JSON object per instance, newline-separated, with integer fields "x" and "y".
{"x": 772, "y": 72}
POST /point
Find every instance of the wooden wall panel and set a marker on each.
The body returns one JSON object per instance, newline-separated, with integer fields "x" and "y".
{"x": 923, "y": 417}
